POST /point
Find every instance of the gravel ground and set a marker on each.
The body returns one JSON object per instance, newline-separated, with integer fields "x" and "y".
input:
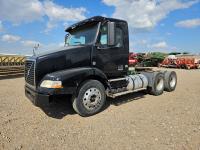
{"x": 135, "y": 121}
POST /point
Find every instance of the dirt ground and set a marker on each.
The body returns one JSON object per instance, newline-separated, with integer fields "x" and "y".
{"x": 135, "y": 121}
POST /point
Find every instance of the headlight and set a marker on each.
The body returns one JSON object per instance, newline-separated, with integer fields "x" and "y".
{"x": 51, "y": 84}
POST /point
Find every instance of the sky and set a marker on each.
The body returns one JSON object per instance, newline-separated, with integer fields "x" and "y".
{"x": 154, "y": 25}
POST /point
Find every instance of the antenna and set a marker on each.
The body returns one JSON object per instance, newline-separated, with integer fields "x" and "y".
{"x": 35, "y": 48}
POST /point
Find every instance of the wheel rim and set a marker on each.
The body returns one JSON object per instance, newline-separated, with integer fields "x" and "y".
{"x": 172, "y": 81}
{"x": 92, "y": 98}
{"x": 160, "y": 84}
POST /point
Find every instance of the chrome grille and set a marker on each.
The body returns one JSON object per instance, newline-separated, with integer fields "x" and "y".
{"x": 30, "y": 72}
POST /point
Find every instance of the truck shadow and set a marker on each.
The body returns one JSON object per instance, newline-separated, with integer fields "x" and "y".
{"x": 62, "y": 106}
{"x": 125, "y": 99}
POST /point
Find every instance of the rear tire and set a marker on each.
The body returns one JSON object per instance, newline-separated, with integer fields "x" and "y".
{"x": 157, "y": 85}
{"x": 90, "y": 98}
{"x": 170, "y": 81}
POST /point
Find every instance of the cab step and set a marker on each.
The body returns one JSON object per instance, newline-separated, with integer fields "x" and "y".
{"x": 123, "y": 93}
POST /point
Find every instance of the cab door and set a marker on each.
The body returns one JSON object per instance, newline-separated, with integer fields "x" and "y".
{"x": 112, "y": 60}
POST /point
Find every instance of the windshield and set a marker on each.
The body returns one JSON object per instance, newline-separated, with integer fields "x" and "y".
{"x": 82, "y": 36}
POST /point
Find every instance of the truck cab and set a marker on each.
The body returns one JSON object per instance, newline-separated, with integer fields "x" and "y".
{"x": 92, "y": 65}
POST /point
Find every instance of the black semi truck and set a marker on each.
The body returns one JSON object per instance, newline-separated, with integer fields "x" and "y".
{"x": 91, "y": 66}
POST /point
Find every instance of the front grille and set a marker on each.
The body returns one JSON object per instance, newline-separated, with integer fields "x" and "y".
{"x": 30, "y": 72}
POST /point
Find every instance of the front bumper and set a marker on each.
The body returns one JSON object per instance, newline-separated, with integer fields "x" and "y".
{"x": 44, "y": 96}
{"x": 36, "y": 98}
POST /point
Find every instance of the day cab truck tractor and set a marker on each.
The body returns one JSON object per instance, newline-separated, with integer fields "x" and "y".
{"x": 91, "y": 66}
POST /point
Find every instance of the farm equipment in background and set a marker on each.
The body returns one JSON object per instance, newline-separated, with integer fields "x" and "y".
{"x": 11, "y": 65}
{"x": 133, "y": 60}
{"x": 150, "y": 59}
{"x": 181, "y": 61}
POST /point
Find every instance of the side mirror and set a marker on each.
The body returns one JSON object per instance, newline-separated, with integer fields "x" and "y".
{"x": 111, "y": 33}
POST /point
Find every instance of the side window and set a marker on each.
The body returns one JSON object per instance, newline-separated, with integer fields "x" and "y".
{"x": 119, "y": 37}
{"x": 104, "y": 35}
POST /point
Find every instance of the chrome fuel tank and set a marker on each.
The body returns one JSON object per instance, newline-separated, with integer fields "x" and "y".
{"x": 136, "y": 82}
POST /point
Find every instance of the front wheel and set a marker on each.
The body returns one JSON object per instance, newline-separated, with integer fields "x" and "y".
{"x": 90, "y": 99}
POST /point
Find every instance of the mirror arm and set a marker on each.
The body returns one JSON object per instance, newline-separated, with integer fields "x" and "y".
{"x": 66, "y": 36}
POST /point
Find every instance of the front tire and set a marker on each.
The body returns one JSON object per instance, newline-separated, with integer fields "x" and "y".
{"x": 90, "y": 98}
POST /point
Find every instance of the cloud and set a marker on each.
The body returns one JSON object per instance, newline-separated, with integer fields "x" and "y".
{"x": 14, "y": 38}
{"x": 57, "y": 13}
{"x": 145, "y": 45}
{"x": 145, "y": 14}
{"x": 10, "y": 38}
{"x": 24, "y": 46}
{"x": 142, "y": 42}
{"x": 61, "y": 44}
{"x": 160, "y": 45}
{"x": 60, "y": 13}
{"x": 30, "y": 43}
{"x": 191, "y": 23}
{"x": 21, "y": 11}
{"x": 168, "y": 33}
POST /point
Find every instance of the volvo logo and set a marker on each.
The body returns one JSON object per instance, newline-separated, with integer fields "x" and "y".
{"x": 28, "y": 71}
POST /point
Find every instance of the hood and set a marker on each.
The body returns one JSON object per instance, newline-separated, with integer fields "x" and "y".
{"x": 39, "y": 54}
{"x": 62, "y": 59}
